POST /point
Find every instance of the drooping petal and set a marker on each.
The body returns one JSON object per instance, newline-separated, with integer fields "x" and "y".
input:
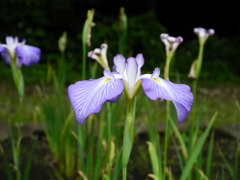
{"x": 179, "y": 94}
{"x": 2, "y": 49}
{"x": 114, "y": 99}
{"x": 5, "y": 55}
{"x": 28, "y": 55}
{"x": 87, "y": 97}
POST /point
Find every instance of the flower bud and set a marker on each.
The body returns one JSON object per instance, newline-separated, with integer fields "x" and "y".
{"x": 203, "y": 34}
{"x": 171, "y": 43}
{"x": 100, "y": 55}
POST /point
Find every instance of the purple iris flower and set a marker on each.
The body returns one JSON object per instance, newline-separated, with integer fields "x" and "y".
{"x": 88, "y": 96}
{"x": 24, "y": 54}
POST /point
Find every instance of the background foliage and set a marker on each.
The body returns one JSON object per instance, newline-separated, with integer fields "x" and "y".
{"x": 41, "y": 23}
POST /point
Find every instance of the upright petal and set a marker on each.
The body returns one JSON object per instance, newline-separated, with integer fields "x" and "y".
{"x": 104, "y": 48}
{"x": 120, "y": 63}
{"x": 131, "y": 69}
{"x": 179, "y": 94}
{"x": 140, "y": 62}
{"x": 11, "y": 41}
{"x": 28, "y": 55}
{"x": 88, "y": 96}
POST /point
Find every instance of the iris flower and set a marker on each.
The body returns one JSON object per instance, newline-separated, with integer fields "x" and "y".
{"x": 203, "y": 33}
{"x": 24, "y": 54}
{"x": 171, "y": 43}
{"x": 88, "y": 96}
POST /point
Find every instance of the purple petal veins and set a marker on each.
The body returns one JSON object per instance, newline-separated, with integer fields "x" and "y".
{"x": 179, "y": 94}
{"x": 88, "y": 96}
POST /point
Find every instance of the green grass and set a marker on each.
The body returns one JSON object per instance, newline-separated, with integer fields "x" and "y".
{"x": 220, "y": 98}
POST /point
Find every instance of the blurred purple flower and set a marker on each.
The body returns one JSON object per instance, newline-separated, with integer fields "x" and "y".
{"x": 171, "y": 43}
{"x": 88, "y": 96}
{"x": 24, "y": 54}
{"x": 203, "y": 33}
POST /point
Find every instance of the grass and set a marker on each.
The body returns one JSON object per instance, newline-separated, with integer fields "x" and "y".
{"x": 220, "y": 97}
{"x": 212, "y": 98}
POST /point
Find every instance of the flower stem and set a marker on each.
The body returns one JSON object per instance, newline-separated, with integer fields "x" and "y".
{"x": 166, "y": 135}
{"x": 109, "y": 134}
{"x": 84, "y": 48}
{"x": 20, "y": 115}
{"x": 128, "y": 136}
{"x": 84, "y": 62}
{"x": 199, "y": 59}
{"x": 166, "y": 138}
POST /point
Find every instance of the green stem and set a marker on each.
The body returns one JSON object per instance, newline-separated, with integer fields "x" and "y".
{"x": 19, "y": 84}
{"x": 199, "y": 60}
{"x": 84, "y": 62}
{"x": 84, "y": 49}
{"x": 109, "y": 134}
{"x": 61, "y": 71}
{"x": 81, "y": 145}
{"x": 194, "y": 109}
{"x": 167, "y": 66}
{"x": 122, "y": 42}
{"x": 128, "y": 136}
{"x": 166, "y": 137}
{"x": 20, "y": 115}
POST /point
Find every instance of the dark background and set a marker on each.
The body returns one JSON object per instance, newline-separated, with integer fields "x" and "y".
{"x": 41, "y": 23}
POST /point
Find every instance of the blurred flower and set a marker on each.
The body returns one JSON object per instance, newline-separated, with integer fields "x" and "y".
{"x": 22, "y": 53}
{"x": 192, "y": 73}
{"x": 203, "y": 34}
{"x": 88, "y": 96}
{"x": 100, "y": 55}
{"x": 122, "y": 20}
{"x": 62, "y": 42}
{"x": 171, "y": 43}
{"x": 88, "y": 25}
